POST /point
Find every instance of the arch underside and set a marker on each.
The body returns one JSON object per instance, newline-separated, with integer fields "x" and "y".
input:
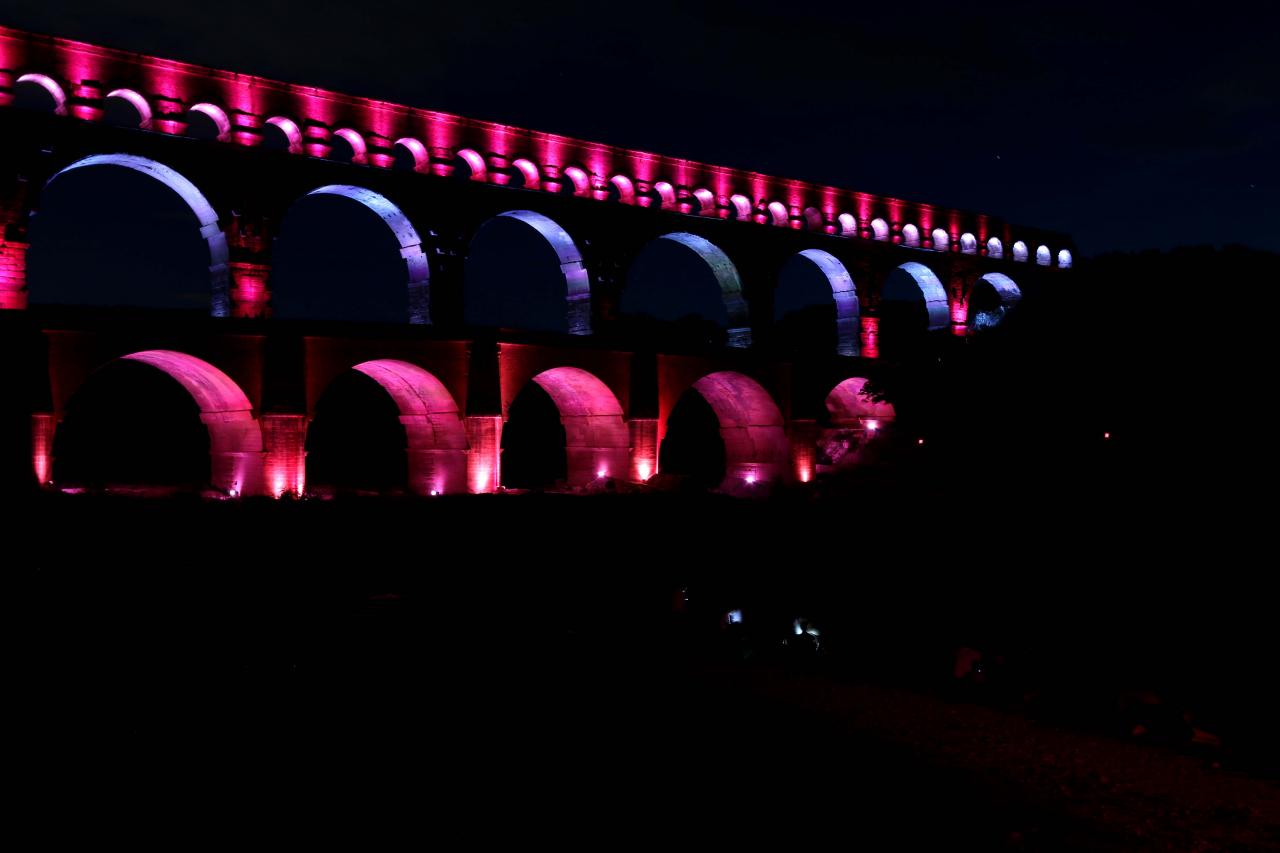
{"x": 574, "y": 270}
{"x": 416, "y": 266}
{"x": 846, "y": 298}
{"x": 918, "y": 284}
{"x": 597, "y": 441}
{"x": 1005, "y": 295}
{"x": 235, "y": 438}
{"x": 730, "y": 283}
{"x": 437, "y": 440}
{"x": 206, "y": 216}
{"x": 756, "y": 447}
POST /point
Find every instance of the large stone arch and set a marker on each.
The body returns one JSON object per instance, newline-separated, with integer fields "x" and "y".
{"x": 437, "y": 439}
{"x": 756, "y": 447}
{"x": 205, "y": 215}
{"x": 417, "y": 268}
{"x": 844, "y": 295}
{"x": 235, "y": 437}
{"x": 854, "y": 419}
{"x": 991, "y": 298}
{"x": 572, "y": 267}
{"x": 730, "y": 283}
{"x": 597, "y": 442}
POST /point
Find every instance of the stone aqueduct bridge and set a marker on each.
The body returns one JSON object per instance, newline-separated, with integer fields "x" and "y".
{"x": 240, "y": 150}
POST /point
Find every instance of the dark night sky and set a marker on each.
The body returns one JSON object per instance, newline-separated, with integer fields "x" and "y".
{"x": 1129, "y": 130}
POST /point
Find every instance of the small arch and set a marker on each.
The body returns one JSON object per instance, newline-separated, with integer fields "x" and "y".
{"x": 727, "y": 277}
{"x": 705, "y": 202}
{"x": 742, "y": 208}
{"x": 127, "y": 108}
{"x": 208, "y": 121}
{"x": 778, "y": 214}
{"x": 41, "y": 93}
{"x": 1020, "y": 251}
{"x": 205, "y": 215}
{"x": 348, "y": 147}
{"x": 572, "y": 268}
{"x": 941, "y": 240}
{"x": 910, "y": 235}
{"x": 597, "y": 441}
{"x": 410, "y": 155}
{"x": 469, "y": 165}
{"x": 666, "y": 195}
{"x": 995, "y": 249}
{"x": 848, "y": 225}
{"x": 280, "y": 133}
{"x": 879, "y": 229}
{"x": 1043, "y": 256}
{"x": 576, "y": 182}
{"x": 526, "y": 174}
{"x": 437, "y": 440}
{"x": 813, "y": 219}
{"x": 756, "y": 448}
{"x": 1064, "y": 259}
{"x": 235, "y": 439}
{"x": 843, "y": 293}
{"x": 419, "y": 271}
{"x": 968, "y": 244}
{"x": 622, "y": 189}
{"x": 992, "y": 297}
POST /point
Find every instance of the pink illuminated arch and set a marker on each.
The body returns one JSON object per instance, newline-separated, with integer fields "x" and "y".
{"x": 473, "y": 162}
{"x": 848, "y": 403}
{"x": 205, "y": 215}
{"x": 597, "y": 441}
{"x": 437, "y": 440}
{"x": 706, "y": 201}
{"x": 848, "y": 224}
{"x": 910, "y": 235}
{"x": 941, "y": 240}
{"x": 666, "y": 194}
{"x": 355, "y": 142}
{"x": 1020, "y": 251}
{"x": 968, "y": 244}
{"x": 406, "y": 235}
{"x": 879, "y": 229}
{"x": 235, "y": 439}
{"x": 621, "y": 188}
{"x": 845, "y": 296}
{"x": 135, "y": 102}
{"x": 755, "y": 442}
{"x": 742, "y": 209}
{"x": 528, "y": 172}
{"x": 412, "y": 154}
{"x": 50, "y": 87}
{"x": 289, "y": 135}
{"x": 572, "y": 267}
{"x": 912, "y": 282}
{"x": 995, "y": 249}
{"x": 216, "y": 115}
{"x": 778, "y": 214}
{"x": 813, "y": 219}
{"x": 576, "y": 182}
{"x": 727, "y": 278}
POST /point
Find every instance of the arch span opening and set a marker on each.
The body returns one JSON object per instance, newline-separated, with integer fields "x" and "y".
{"x": 742, "y": 444}
{"x": 524, "y": 271}
{"x": 816, "y": 305}
{"x": 913, "y": 303}
{"x": 130, "y": 234}
{"x": 39, "y": 93}
{"x": 334, "y": 261}
{"x": 855, "y": 421}
{"x": 417, "y": 442}
{"x": 160, "y": 418}
{"x": 689, "y": 286}
{"x": 994, "y": 295}
{"x": 566, "y": 426}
